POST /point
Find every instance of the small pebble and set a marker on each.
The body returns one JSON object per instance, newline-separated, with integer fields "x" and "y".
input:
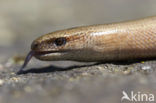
{"x": 85, "y": 74}
{"x": 128, "y": 70}
{"x": 100, "y": 68}
{"x": 1, "y": 82}
{"x": 12, "y": 73}
{"x": 146, "y": 68}
{"x": 15, "y": 79}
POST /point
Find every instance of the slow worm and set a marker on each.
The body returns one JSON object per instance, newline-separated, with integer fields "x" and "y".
{"x": 109, "y": 42}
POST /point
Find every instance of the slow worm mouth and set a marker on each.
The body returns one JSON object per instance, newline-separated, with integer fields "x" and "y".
{"x": 35, "y": 53}
{"x": 38, "y": 53}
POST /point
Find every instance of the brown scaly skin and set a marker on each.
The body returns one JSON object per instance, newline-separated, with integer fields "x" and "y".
{"x": 109, "y": 42}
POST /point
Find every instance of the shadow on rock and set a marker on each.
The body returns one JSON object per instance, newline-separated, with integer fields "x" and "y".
{"x": 51, "y": 69}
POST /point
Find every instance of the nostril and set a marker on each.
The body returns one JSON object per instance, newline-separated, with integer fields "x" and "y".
{"x": 34, "y": 45}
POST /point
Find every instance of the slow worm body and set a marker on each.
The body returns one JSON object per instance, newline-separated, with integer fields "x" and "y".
{"x": 109, "y": 42}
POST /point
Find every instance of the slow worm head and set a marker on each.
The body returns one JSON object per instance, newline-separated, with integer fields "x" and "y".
{"x": 109, "y": 42}
{"x": 70, "y": 44}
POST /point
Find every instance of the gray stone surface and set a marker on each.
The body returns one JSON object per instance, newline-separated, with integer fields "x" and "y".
{"x": 75, "y": 84}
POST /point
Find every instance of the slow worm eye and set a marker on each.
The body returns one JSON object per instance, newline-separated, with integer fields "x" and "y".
{"x": 60, "y": 41}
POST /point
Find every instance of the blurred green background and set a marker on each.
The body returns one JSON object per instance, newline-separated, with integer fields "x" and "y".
{"x": 21, "y": 21}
